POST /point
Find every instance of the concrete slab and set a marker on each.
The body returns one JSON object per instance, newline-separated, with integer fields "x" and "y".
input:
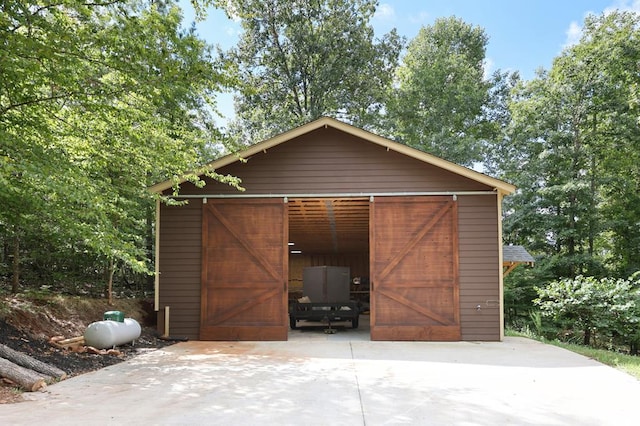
{"x": 341, "y": 379}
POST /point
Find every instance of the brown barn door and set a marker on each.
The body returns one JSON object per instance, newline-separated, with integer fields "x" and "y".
{"x": 244, "y": 270}
{"x": 414, "y": 269}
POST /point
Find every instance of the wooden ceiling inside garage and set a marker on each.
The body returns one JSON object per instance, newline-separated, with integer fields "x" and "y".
{"x": 329, "y": 225}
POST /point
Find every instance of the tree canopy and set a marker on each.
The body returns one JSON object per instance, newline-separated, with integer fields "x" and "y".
{"x": 574, "y": 135}
{"x": 571, "y": 147}
{"x": 438, "y": 103}
{"x": 97, "y": 101}
{"x": 299, "y": 60}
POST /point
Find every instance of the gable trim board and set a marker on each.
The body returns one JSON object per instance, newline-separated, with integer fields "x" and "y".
{"x": 204, "y": 197}
{"x": 478, "y": 223}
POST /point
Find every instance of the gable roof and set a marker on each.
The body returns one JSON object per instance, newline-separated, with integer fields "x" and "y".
{"x": 516, "y": 254}
{"x": 498, "y": 185}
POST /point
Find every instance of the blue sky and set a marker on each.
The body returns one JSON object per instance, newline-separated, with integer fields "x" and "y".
{"x": 524, "y": 35}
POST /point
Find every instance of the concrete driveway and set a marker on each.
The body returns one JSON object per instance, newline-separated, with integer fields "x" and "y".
{"x": 341, "y": 379}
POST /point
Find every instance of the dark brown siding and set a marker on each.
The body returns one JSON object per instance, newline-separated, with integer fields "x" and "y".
{"x": 329, "y": 161}
{"x": 479, "y": 267}
{"x": 180, "y": 266}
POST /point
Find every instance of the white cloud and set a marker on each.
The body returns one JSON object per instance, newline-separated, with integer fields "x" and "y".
{"x": 231, "y": 31}
{"x": 489, "y": 65}
{"x": 420, "y": 18}
{"x": 626, "y": 5}
{"x": 385, "y": 12}
{"x": 574, "y": 32}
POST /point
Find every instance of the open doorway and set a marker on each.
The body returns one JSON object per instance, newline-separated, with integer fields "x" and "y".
{"x": 331, "y": 232}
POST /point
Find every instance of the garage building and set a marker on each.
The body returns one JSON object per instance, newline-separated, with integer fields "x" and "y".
{"x": 424, "y": 233}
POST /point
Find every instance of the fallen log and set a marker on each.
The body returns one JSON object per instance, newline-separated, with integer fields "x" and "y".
{"x": 31, "y": 363}
{"x": 27, "y": 379}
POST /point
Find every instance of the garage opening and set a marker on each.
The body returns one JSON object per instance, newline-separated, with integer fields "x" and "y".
{"x": 408, "y": 243}
{"x": 332, "y": 233}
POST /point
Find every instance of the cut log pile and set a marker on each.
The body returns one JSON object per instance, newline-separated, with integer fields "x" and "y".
{"x": 72, "y": 343}
{"x": 27, "y": 372}
{"x": 77, "y": 344}
{"x": 31, "y": 374}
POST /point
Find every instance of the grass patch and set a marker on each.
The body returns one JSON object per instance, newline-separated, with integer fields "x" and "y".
{"x": 629, "y": 364}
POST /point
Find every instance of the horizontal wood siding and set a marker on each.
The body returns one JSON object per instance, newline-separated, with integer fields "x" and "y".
{"x": 479, "y": 267}
{"x": 329, "y": 161}
{"x": 180, "y": 267}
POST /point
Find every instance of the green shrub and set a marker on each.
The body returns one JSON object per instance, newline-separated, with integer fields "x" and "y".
{"x": 607, "y": 307}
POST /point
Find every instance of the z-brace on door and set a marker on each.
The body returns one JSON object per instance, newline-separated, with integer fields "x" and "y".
{"x": 244, "y": 270}
{"x": 414, "y": 269}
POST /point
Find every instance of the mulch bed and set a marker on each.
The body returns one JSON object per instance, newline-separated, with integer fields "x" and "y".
{"x": 72, "y": 363}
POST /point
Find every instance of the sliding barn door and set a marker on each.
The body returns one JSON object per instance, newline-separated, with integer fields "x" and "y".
{"x": 244, "y": 270}
{"x": 414, "y": 269}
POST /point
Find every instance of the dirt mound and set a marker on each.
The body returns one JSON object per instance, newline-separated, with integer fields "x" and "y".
{"x": 27, "y": 324}
{"x": 44, "y": 317}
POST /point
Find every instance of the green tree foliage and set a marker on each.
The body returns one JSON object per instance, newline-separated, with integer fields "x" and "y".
{"x": 438, "y": 104}
{"x": 572, "y": 149}
{"x": 608, "y": 307}
{"x": 298, "y": 60}
{"x": 614, "y": 126}
{"x": 98, "y": 101}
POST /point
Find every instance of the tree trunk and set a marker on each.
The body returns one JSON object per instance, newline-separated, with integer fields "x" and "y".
{"x": 110, "y": 271}
{"x": 587, "y": 336}
{"x": 592, "y": 205}
{"x": 150, "y": 245}
{"x": 15, "y": 279}
{"x": 27, "y": 379}
{"x": 31, "y": 363}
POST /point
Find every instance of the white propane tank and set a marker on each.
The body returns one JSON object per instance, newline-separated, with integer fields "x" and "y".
{"x": 109, "y": 333}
